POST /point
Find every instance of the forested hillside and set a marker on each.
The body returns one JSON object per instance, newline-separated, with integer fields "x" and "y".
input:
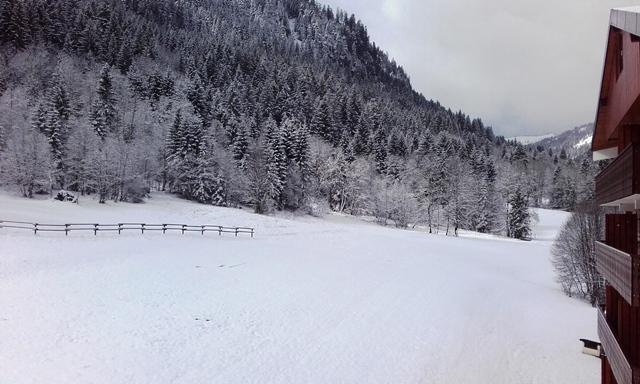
{"x": 273, "y": 104}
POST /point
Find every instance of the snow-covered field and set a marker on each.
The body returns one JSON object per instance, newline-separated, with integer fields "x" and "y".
{"x": 331, "y": 300}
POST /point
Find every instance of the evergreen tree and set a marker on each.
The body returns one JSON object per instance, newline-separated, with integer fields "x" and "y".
{"x": 176, "y": 144}
{"x": 198, "y": 179}
{"x": 321, "y": 123}
{"x": 563, "y": 154}
{"x": 125, "y": 57}
{"x": 361, "y": 143}
{"x": 518, "y": 218}
{"x": 397, "y": 146}
{"x": 14, "y": 24}
{"x": 52, "y": 119}
{"x": 240, "y": 146}
{"x": 380, "y": 151}
{"x": 200, "y": 99}
{"x": 103, "y": 111}
{"x": 276, "y": 162}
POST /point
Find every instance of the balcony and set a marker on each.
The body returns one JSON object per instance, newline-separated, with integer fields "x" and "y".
{"x": 620, "y": 179}
{"x": 622, "y": 370}
{"x": 621, "y": 270}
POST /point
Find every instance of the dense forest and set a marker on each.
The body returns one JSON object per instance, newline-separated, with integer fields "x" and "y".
{"x": 272, "y": 104}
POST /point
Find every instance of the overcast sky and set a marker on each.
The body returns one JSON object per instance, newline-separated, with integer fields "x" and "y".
{"x": 525, "y": 67}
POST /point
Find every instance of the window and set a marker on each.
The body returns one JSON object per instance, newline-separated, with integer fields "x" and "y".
{"x": 619, "y": 54}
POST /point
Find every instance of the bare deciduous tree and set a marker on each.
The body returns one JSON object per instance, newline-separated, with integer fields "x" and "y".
{"x": 574, "y": 254}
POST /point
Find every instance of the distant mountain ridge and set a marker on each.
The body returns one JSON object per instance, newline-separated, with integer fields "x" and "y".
{"x": 526, "y": 140}
{"x": 574, "y": 141}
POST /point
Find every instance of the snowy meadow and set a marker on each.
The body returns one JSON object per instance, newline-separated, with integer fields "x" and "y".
{"x": 308, "y": 300}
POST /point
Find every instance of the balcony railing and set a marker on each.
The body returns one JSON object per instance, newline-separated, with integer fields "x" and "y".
{"x": 621, "y": 178}
{"x": 621, "y": 270}
{"x": 620, "y": 366}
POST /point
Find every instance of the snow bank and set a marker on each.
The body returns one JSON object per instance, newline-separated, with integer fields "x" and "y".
{"x": 307, "y": 301}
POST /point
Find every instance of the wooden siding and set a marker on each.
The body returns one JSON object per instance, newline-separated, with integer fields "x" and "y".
{"x": 621, "y": 178}
{"x": 619, "y": 90}
{"x": 621, "y": 231}
{"x": 617, "y": 267}
{"x": 615, "y": 357}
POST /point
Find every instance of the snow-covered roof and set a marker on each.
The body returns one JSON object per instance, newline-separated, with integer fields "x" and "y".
{"x": 627, "y": 19}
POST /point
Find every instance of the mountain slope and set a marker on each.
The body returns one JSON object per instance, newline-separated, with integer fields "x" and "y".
{"x": 272, "y": 104}
{"x": 574, "y": 141}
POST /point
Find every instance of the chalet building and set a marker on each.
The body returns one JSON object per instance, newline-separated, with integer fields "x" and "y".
{"x": 617, "y": 137}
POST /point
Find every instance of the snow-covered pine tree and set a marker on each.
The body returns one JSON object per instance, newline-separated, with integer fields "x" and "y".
{"x": 103, "y": 111}
{"x": 360, "y": 142}
{"x": 176, "y": 140}
{"x": 200, "y": 98}
{"x": 199, "y": 180}
{"x": 194, "y": 135}
{"x": 518, "y": 217}
{"x": 380, "y": 151}
{"x": 557, "y": 194}
{"x": 301, "y": 147}
{"x": 397, "y": 146}
{"x": 125, "y": 57}
{"x": 51, "y": 118}
{"x": 14, "y": 24}
{"x": 240, "y": 147}
{"x": 586, "y": 182}
{"x": 321, "y": 122}
{"x": 276, "y": 161}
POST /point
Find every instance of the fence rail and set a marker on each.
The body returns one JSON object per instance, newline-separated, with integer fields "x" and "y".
{"x": 120, "y": 227}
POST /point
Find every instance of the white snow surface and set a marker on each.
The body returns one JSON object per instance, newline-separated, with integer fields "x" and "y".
{"x": 583, "y": 142}
{"x": 526, "y": 140}
{"x": 331, "y": 300}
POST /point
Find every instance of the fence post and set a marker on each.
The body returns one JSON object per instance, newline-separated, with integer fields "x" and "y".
{"x": 35, "y": 228}
{"x": 203, "y": 230}
{"x": 219, "y": 230}
{"x": 66, "y": 229}
{"x": 142, "y": 228}
{"x": 119, "y": 228}
{"x": 95, "y": 229}
{"x": 183, "y": 228}
{"x": 236, "y": 231}
{"x": 164, "y": 228}
{"x": 252, "y": 233}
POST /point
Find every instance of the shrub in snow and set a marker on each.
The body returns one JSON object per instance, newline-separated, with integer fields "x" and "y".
{"x": 317, "y": 207}
{"x": 134, "y": 191}
{"x": 393, "y": 201}
{"x": 63, "y": 195}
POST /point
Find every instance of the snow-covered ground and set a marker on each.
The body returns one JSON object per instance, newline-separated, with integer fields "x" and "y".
{"x": 308, "y": 300}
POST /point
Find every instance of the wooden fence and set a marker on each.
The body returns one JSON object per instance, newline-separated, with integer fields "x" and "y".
{"x": 120, "y": 227}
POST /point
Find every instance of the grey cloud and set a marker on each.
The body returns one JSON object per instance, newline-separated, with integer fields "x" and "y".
{"x": 525, "y": 67}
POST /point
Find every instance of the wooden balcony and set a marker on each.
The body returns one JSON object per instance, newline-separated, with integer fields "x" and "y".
{"x": 621, "y": 270}
{"x": 622, "y": 370}
{"x": 621, "y": 178}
